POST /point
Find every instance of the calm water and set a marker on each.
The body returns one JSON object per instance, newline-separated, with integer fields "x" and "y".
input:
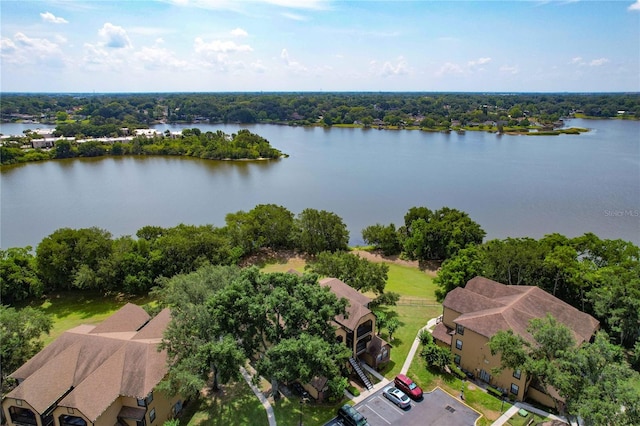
{"x": 511, "y": 185}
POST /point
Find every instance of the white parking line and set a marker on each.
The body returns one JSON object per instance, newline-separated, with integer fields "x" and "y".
{"x": 398, "y": 409}
{"x": 377, "y": 414}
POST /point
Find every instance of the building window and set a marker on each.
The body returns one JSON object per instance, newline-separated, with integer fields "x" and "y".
{"x": 456, "y": 359}
{"x": 517, "y": 374}
{"x": 150, "y": 398}
{"x": 459, "y": 329}
{"x": 458, "y": 344}
{"x": 515, "y": 389}
{"x": 339, "y": 339}
{"x": 364, "y": 328}
{"x": 152, "y": 415}
{"x": 142, "y": 402}
{"x": 71, "y": 421}
{"x": 22, "y": 415}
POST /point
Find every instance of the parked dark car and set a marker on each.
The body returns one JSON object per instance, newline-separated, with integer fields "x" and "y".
{"x": 351, "y": 417}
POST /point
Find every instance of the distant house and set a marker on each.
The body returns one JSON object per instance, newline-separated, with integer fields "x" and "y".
{"x": 102, "y": 375}
{"x": 474, "y": 313}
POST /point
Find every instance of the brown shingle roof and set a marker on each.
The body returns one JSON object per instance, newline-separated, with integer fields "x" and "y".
{"x": 488, "y": 306}
{"x": 94, "y": 369}
{"x": 357, "y": 302}
{"x": 128, "y": 318}
{"x": 442, "y": 333}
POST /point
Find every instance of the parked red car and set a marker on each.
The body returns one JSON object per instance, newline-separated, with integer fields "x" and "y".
{"x": 408, "y": 386}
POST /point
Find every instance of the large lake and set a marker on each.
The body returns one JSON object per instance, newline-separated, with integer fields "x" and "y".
{"x": 512, "y": 185}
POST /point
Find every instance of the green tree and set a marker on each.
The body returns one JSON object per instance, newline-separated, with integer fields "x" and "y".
{"x": 353, "y": 270}
{"x": 616, "y": 299}
{"x": 20, "y": 332}
{"x": 436, "y": 356}
{"x": 384, "y": 238}
{"x": 439, "y": 234}
{"x": 458, "y": 270}
{"x": 60, "y": 256}
{"x": 266, "y": 225}
{"x": 303, "y": 358}
{"x": 64, "y": 149}
{"x": 18, "y": 275}
{"x": 598, "y": 384}
{"x": 195, "y": 348}
{"x": 319, "y": 230}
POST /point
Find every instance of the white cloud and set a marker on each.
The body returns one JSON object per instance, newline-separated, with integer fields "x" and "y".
{"x": 598, "y": 62}
{"x": 219, "y": 46}
{"x": 114, "y": 36}
{"x": 635, "y": 6}
{"x": 26, "y": 50}
{"x": 509, "y": 69}
{"x": 300, "y": 4}
{"x": 576, "y": 60}
{"x": 258, "y": 66}
{"x": 449, "y": 68}
{"x": 239, "y": 32}
{"x": 294, "y": 16}
{"x": 50, "y": 17}
{"x": 241, "y": 6}
{"x": 479, "y": 61}
{"x": 156, "y": 57}
{"x": 291, "y": 63}
{"x": 400, "y": 68}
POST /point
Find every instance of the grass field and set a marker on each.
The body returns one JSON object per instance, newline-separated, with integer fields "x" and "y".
{"x": 71, "y": 309}
{"x": 234, "y": 405}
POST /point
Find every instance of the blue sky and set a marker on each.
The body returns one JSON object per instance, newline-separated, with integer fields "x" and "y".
{"x": 317, "y": 45}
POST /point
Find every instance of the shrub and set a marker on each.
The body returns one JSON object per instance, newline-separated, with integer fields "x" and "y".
{"x": 353, "y": 390}
{"x": 495, "y": 392}
{"x": 456, "y": 371}
{"x": 425, "y": 337}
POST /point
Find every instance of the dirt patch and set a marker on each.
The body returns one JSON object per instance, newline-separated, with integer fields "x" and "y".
{"x": 429, "y": 267}
{"x": 283, "y": 260}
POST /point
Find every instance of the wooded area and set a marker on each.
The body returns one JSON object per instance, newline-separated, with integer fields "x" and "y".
{"x": 424, "y": 110}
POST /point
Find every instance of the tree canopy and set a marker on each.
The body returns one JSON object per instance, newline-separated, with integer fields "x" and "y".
{"x": 20, "y": 332}
{"x": 594, "y": 378}
{"x": 222, "y": 315}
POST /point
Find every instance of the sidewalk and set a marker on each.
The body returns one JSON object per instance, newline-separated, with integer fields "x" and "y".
{"x": 267, "y": 406}
{"x": 416, "y": 343}
{"x": 518, "y": 405}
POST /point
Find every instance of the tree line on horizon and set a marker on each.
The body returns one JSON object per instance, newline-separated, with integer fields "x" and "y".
{"x": 425, "y": 110}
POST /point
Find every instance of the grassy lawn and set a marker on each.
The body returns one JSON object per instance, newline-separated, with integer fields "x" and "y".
{"x": 235, "y": 404}
{"x": 71, "y": 309}
{"x": 411, "y": 283}
{"x": 518, "y": 420}
{"x": 288, "y": 412}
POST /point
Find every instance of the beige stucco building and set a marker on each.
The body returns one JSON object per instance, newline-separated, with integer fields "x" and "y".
{"x": 474, "y": 313}
{"x": 102, "y": 375}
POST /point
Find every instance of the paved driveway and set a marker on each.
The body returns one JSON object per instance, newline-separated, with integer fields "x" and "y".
{"x": 437, "y": 408}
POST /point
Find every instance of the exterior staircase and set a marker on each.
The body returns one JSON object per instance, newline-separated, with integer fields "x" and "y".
{"x": 356, "y": 366}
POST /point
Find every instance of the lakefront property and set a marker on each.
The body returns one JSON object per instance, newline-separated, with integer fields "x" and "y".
{"x": 474, "y": 313}
{"x": 102, "y": 375}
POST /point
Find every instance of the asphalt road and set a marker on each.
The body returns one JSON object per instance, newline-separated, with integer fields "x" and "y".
{"x": 436, "y": 408}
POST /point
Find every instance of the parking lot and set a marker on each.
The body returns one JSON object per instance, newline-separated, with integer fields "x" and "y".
{"x": 436, "y": 408}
